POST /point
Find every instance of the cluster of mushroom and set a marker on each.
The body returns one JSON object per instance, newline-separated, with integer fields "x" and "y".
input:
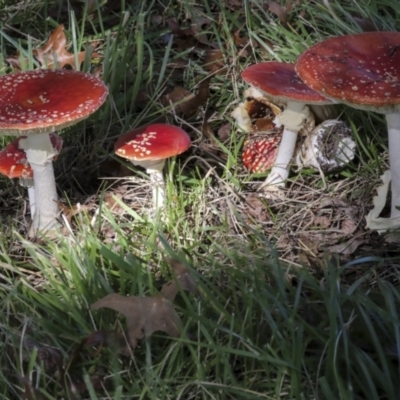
{"x": 32, "y": 106}
{"x": 360, "y": 70}
{"x": 275, "y": 146}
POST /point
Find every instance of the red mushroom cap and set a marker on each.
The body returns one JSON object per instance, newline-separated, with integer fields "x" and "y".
{"x": 13, "y": 162}
{"x": 259, "y": 154}
{"x": 279, "y": 81}
{"x": 361, "y": 70}
{"x": 152, "y": 142}
{"x": 46, "y": 100}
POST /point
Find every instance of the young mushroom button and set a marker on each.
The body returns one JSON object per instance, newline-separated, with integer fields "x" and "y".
{"x": 149, "y": 146}
{"x": 35, "y": 103}
{"x": 279, "y": 82}
{"x": 363, "y": 71}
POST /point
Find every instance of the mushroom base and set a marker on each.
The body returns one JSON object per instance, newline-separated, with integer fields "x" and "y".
{"x": 374, "y": 222}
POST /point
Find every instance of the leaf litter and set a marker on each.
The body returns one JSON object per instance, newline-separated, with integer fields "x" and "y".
{"x": 144, "y": 315}
{"x": 54, "y": 53}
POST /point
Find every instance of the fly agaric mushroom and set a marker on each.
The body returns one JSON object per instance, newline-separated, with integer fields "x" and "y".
{"x": 279, "y": 82}
{"x": 35, "y": 103}
{"x": 363, "y": 71}
{"x": 328, "y": 147}
{"x": 13, "y": 164}
{"x": 149, "y": 146}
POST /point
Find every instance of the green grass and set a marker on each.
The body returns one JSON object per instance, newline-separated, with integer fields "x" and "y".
{"x": 279, "y": 315}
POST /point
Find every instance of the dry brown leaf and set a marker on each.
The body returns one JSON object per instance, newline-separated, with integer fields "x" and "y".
{"x": 110, "y": 201}
{"x": 214, "y": 61}
{"x": 146, "y": 315}
{"x": 75, "y": 209}
{"x": 280, "y": 11}
{"x": 54, "y": 51}
{"x": 184, "y": 102}
{"x": 256, "y": 208}
{"x": 182, "y": 280}
{"x": 322, "y": 221}
{"x": 347, "y": 248}
{"x": 349, "y": 226}
{"x": 225, "y": 131}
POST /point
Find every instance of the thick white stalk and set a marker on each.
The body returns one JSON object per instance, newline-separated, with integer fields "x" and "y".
{"x": 293, "y": 119}
{"x": 46, "y": 206}
{"x": 158, "y": 187}
{"x": 280, "y": 171}
{"x": 39, "y": 153}
{"x": 28, "y": 184}
{"x": 393, "y": 123}
{"x": 31, "y": 196}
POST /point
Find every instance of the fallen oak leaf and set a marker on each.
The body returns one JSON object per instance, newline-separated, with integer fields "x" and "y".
{"x": 281, "y": 12}
{"x": 214, "y": 61}
{"x": 144, "y": 315}
{"x": 54, "y": 51}
{"x": 73, "y": 210}
{"x": 182, "y": 280}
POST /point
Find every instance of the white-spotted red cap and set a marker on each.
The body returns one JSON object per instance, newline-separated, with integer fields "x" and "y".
{"x": 13, "y": 162}
{"x": 361, "y": 70}
{"x": 259, "y": 154}
{"x": 46, "y": 100}
{"x": 152, "y": 142}
{"x": 279, "y": 81}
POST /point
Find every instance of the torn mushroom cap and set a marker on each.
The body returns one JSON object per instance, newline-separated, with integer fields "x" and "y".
{"x": 13, "y": 162}
{"x": 259, "y": 154}
{"x": 360, "y": 70}
{"x": 279, "y": 81}
{"x": 43, "y": 101}
{"x": 152, "y": 142}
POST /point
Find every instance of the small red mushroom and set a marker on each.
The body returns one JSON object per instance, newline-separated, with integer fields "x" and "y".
{"x": 149, "y": 146}
{"x": 35, "y": 103}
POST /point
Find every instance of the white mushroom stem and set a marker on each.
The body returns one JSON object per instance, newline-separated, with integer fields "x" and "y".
{"x": 393, "y": 122}
{"x": 31, "y": 197}
{"x": 157, "y": 182}
{"x": 293, "y": 119}
{"x": 28, "y": 183}
{"x": 374, "y": 222}
{"x": 154, "y": 169}
{"x": 39, "y": 153}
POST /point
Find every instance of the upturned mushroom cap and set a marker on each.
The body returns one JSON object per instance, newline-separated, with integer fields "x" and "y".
{"x": 43, "y": 101}
{"x": 361, "y": 70}
{"x": 152, "y": 142}
{"x": 279, "y": 81}
{"x": 13, "y": 162}
{"x": 259, "y": 154}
